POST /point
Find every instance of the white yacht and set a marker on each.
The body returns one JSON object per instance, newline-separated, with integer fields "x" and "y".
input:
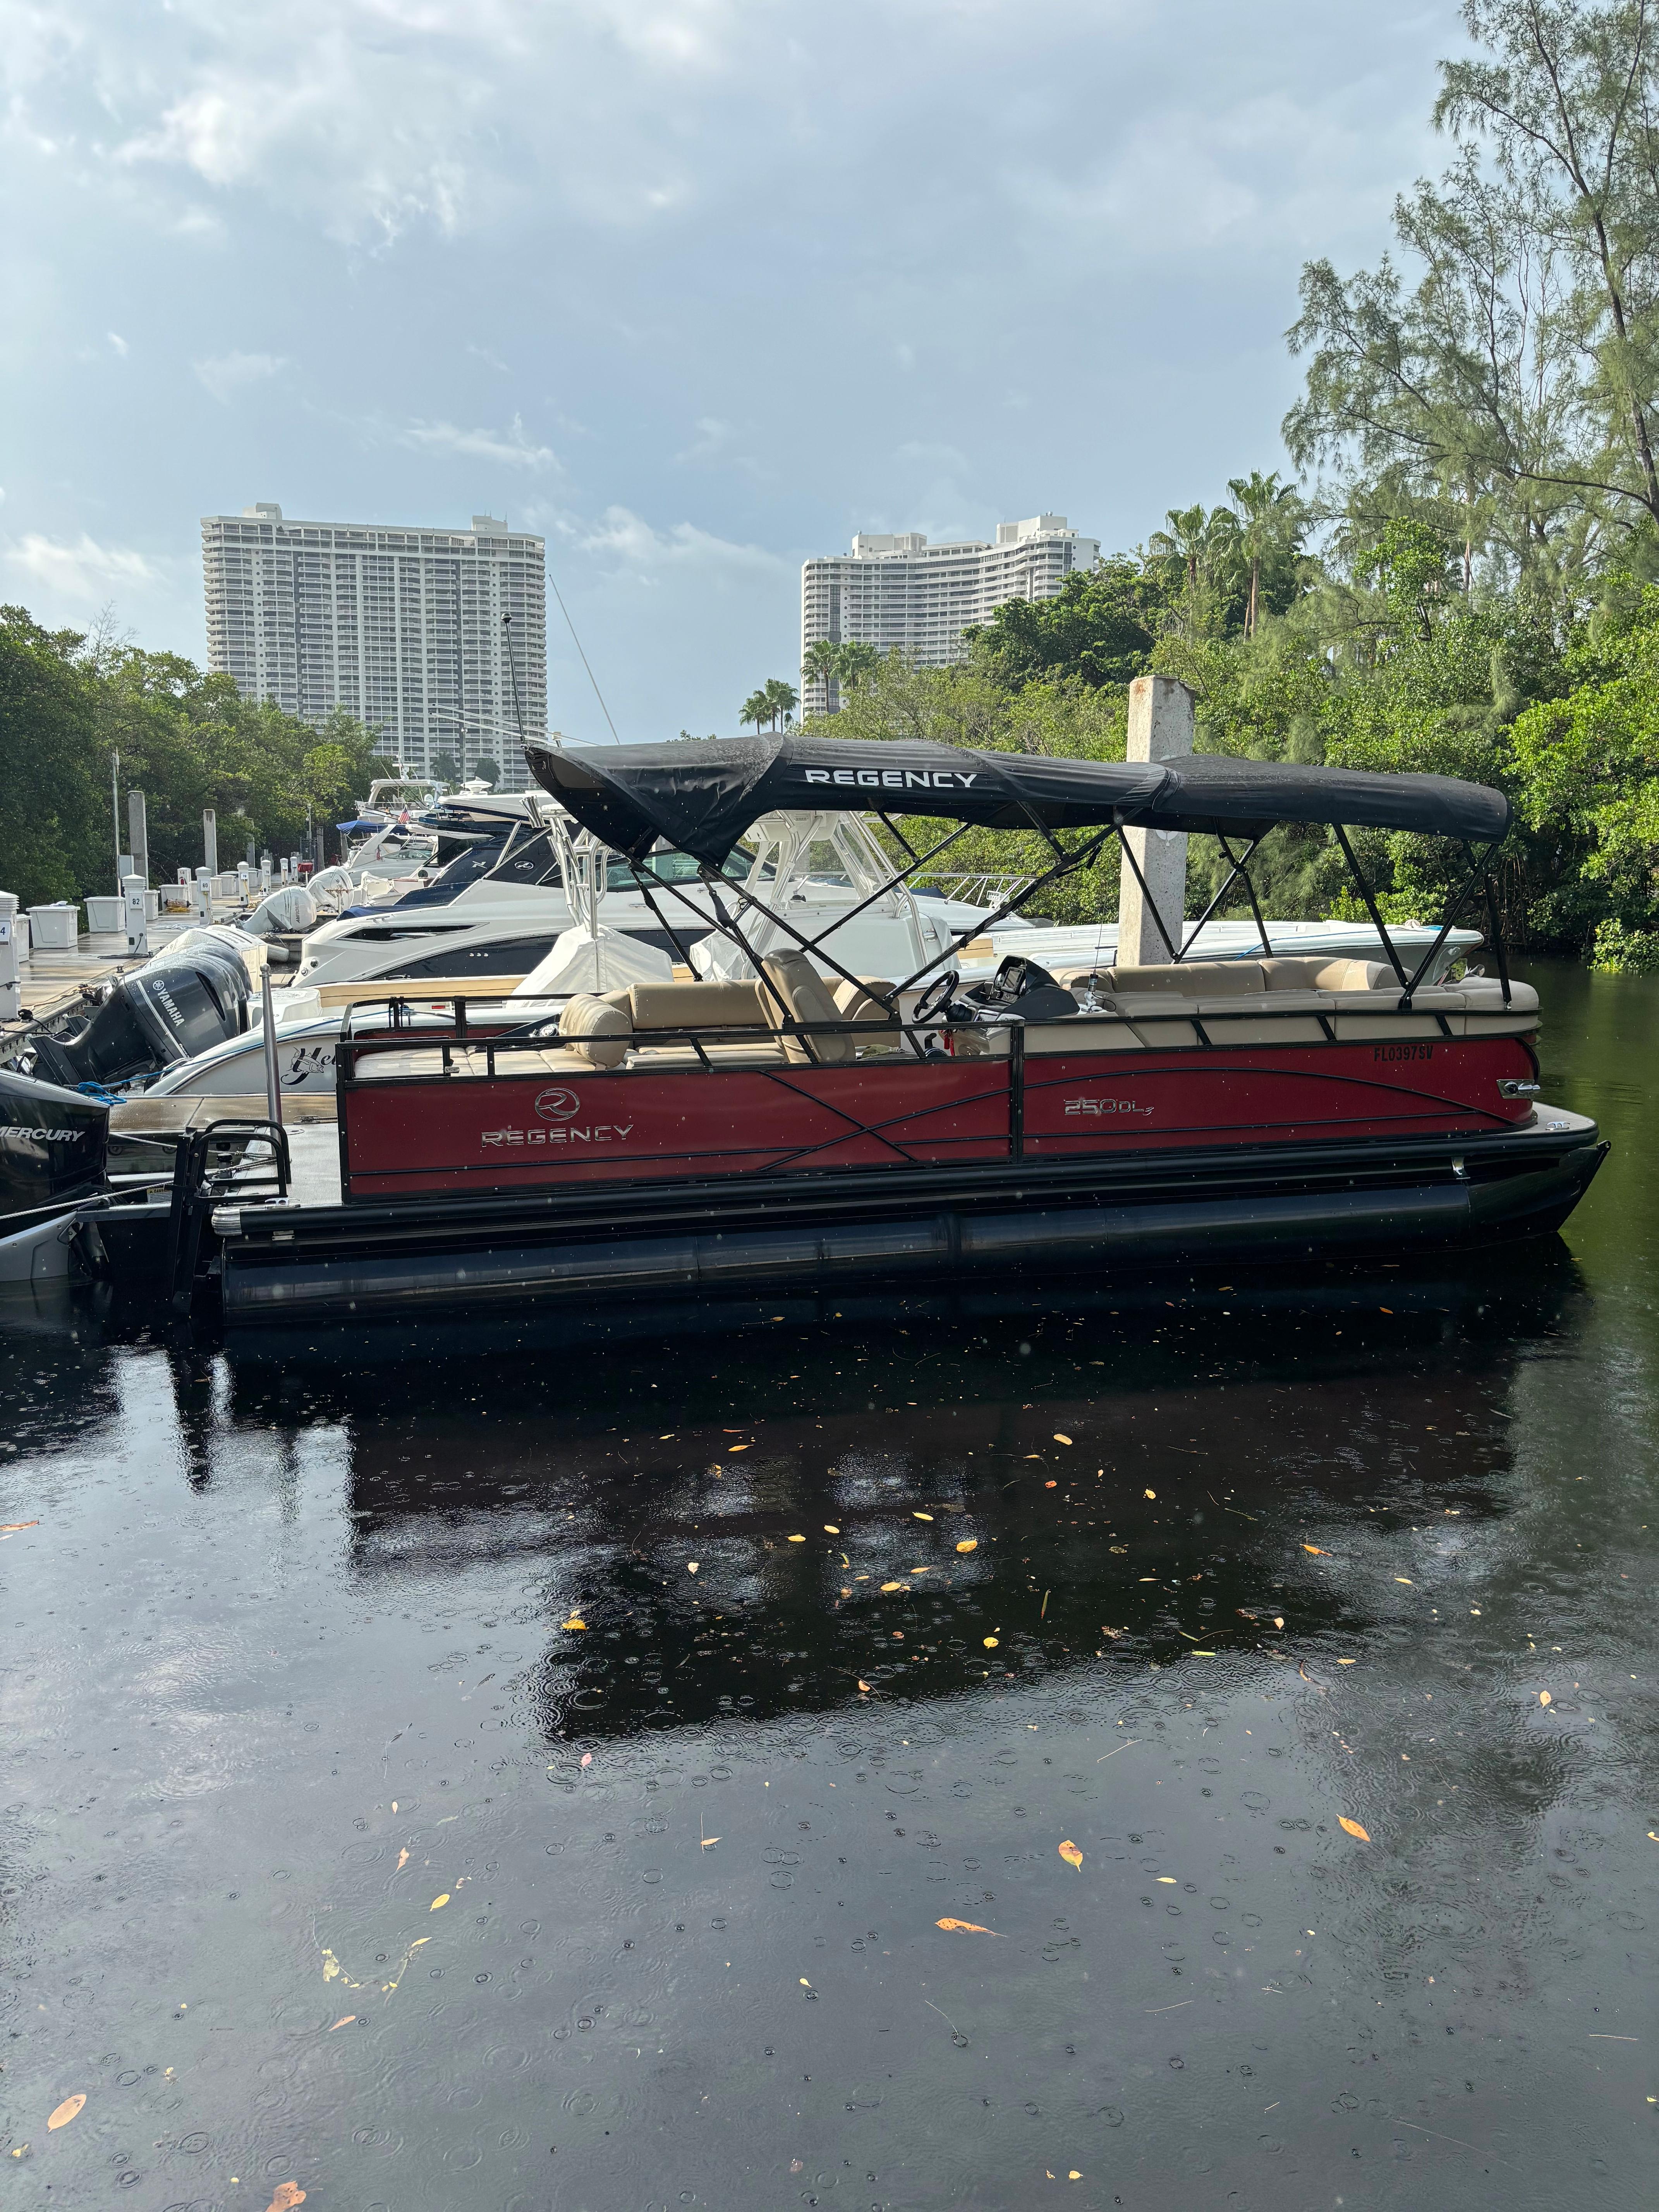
{"x": 496, "y": 908}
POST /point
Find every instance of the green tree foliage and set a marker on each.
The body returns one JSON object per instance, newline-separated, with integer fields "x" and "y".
{"x": 1100, "y": 627}
{"x": 1505, "y": 377}
{"x": 188, "y": 740}
{"x": 774, "y": 703}
{"x": 839, "y": 667}
{"x": 56, "y": 826}
{"x": 1586, "y": 772}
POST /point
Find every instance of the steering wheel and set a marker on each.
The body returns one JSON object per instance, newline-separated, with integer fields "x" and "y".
{"x": 936, "y": 998}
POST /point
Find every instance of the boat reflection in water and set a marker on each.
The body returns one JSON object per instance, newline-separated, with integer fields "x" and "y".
{"x": 1106, "y": 1481}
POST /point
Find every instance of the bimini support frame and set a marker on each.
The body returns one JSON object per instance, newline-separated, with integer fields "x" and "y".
{"x": 700, "y": 798}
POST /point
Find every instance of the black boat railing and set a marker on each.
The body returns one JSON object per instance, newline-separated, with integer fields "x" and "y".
{"x": 200, "y": 1184}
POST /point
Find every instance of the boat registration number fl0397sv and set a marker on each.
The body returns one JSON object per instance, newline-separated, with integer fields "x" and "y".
{"x": 1402, "y": 1052}
{"x": 1105, "y": 1106}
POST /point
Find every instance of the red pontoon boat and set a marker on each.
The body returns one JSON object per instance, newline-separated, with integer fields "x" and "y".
{"x": 805, "y": 1124}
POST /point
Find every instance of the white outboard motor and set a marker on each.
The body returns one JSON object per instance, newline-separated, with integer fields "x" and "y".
{"x": 333, "y": 889}
{"x": 286, "y": 913}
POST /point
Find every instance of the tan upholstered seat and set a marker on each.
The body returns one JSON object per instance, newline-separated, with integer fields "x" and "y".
{"x": 1226, "y": 979}
{"x": 596, "y": 1032}
{"x": 804, "y": 997}
{"x": 868, "y": 1002}
{"x": 1193, "y": 979}
{"x": 699, "y": 1006}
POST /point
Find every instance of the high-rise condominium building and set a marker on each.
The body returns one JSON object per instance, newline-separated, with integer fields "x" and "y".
{"x": 406, "y": 629}
{"x": 901, "y": 591}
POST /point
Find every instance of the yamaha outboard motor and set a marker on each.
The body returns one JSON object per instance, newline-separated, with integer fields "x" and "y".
{"x": 164, "y": 1012}
{"x": 52, "y": 1144}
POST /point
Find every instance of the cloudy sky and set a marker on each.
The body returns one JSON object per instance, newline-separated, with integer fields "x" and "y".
{"x": 697, "y": 287}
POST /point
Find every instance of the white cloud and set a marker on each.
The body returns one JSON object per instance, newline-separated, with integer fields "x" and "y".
{"x": 916, "y": 449}
{"x": 227, "y": 374}
{"x": 118, "y": 343}
{"x": 510, "y": 446}
{"x": 629, "y": 539}
{"x": 84, "y": 570}
{"x": 712, "y": 438}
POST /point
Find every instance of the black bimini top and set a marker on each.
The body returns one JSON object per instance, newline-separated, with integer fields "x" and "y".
{"x": 700, "y": 794}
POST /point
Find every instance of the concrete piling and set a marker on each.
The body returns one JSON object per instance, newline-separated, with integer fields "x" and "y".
{"x": 1160, "y": 728}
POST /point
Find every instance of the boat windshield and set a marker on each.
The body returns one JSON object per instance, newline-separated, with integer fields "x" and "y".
{"x": 668, "y": 866}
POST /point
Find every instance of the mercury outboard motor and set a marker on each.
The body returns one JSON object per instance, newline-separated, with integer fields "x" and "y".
{"x": 165, "y": 1012}
{"x": 52, "y": 1144}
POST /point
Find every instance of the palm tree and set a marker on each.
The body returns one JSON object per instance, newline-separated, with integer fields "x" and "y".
{"x": 782, "y": 699}
{"x": 821, "y": 663}
{"x": 1274, "y": 518}
{"x": 857, "y": 659}
{"x": 754, "y": 708}
{"x": 1198, "y": 548}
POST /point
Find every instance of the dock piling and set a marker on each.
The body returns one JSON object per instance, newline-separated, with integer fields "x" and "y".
{"x": 1160, "y": 728}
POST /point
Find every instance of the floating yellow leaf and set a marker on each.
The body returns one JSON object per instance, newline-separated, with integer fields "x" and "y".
{"x": 403, "y": 1860}
{"x": 1406, "y": 1579}
{"x": 968, "y": 1544}
{"x": 1543, "y": 1697}
{"x": 1316, "y": 1551}
{"x": 1351, "y": 1828}
{"x": 830, "y": 1529}
{"x": 864, "y": 1685}
{"x": 346, "y": 2022}
{"x": 66, "y": 2112}
{"x": 991, "y": 1643}
{"x": 1073, "y": 2175}
{"x": 1341, "y": 1663}
{"x": 709, "y": 1839}
{"x": 1170, "y": 1879}
{"x": 574, "y": 1623}
{"x": 441, "y": 1899}
{"x": 1069, "y": 1853}
{"x": 1061, "y": 1439}
{"x": 921, "y": 1517}
{"x": 288, "y": 2195}
{"x": 13, "y": 1528}
{"x": 968, "y": 1928}
{"x": 1152, "y": 1493}
{"x": 892, "y": 1586}
{"x": 691, "y": 1566}
{"x": 798, "y": 1539}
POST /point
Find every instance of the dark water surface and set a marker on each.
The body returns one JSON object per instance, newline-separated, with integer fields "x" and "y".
{"x": 390, "y": 1810}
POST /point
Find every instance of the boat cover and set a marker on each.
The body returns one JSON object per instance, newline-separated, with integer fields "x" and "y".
{"x": 700, "y": 794}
